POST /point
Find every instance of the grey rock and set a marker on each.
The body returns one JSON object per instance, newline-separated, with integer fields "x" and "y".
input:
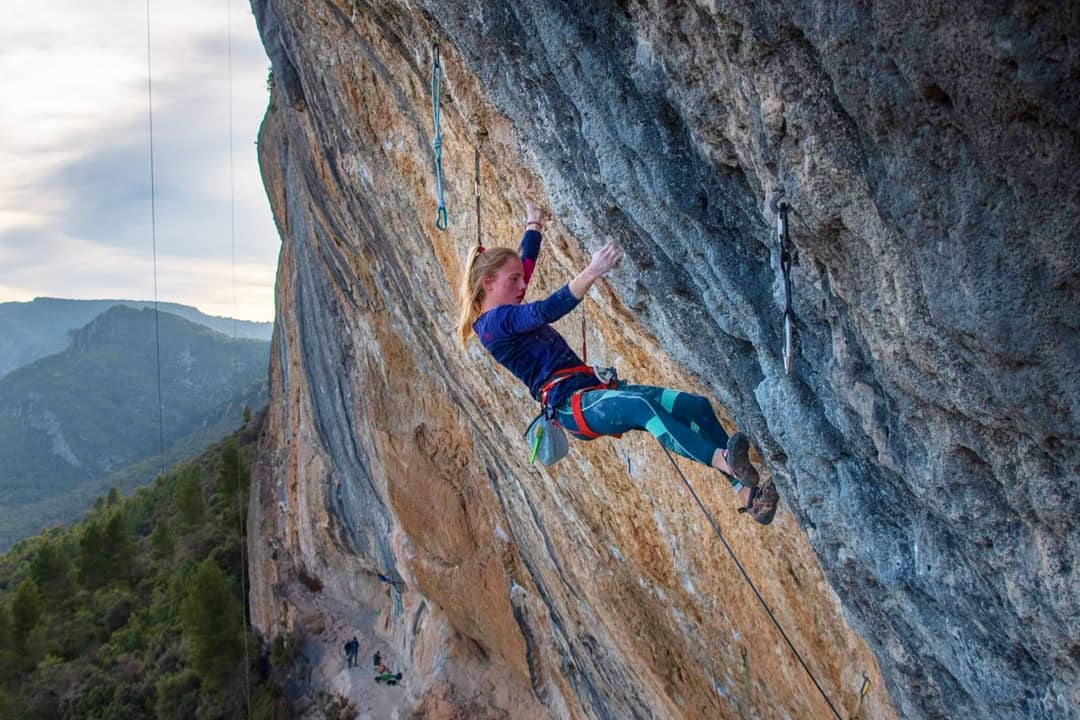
{"x": 927, "y": 439}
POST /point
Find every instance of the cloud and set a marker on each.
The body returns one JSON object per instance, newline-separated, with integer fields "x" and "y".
{"x": 74, "y": 137}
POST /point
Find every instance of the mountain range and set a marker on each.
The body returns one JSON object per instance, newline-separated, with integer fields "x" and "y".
{"x": 32, "y": 330}
{"x": 77, "y": 422}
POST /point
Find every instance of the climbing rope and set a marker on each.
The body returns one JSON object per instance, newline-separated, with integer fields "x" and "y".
{"x": 153, "y": 239}
{"x": 157, "y": 324}
{"x": 584, "y": 349}
{"x": 436, "y": 144}
{"x": 739, "y": 565}
{"x": 476, "y": 192}
{"x": 236, "y": 440}
{"x": 788, "y": 256}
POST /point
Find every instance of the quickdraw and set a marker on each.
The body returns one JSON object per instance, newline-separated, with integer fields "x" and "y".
{"x": 436, "y": 143}
{"x": 863, "y": 691}
{"x": 788, "y": 256}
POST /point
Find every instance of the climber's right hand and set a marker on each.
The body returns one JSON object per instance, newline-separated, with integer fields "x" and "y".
{"x": 605, "y": 258}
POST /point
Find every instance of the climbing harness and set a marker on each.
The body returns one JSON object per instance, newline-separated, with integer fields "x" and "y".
{"x": 436, "y": 143}
{"x": 788, "y": 257}
{"x": 546, "y": 438}
{"x": 863, "y": 691}
{"x": 757, "y": 594}
{"x": 605, "y": 380}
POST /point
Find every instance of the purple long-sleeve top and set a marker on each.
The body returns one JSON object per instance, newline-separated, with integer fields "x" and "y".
{"x": 522, "y": 340}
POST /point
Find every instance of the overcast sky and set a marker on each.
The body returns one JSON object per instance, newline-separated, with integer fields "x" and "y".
{"x": 75, "y": 217}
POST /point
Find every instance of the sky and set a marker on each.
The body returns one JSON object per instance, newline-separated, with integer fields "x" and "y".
{"x": 75, "y": 199}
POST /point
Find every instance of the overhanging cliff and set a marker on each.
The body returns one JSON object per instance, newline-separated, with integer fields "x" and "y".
{"x": 925, "y": 446}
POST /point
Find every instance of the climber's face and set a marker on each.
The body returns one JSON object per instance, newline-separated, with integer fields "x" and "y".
{"x": 507, "y": 286}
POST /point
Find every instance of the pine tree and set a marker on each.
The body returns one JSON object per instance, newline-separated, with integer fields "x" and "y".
{"x": 229, "y": 470}
{"x": 51, "y": 569}
{"x": 210, "y": 616}
{"x": 113, "y": 499}
{"x": 118, "y": 547}
{"x": 7, "y": 641}
{"x": 161, "y": 540}
{"x": 93, "y": 565}
{"x": 25, "y": 612}
{"x": 189, "y": 498}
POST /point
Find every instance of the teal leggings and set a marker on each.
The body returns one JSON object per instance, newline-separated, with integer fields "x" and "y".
{"x": 681, "y": 422}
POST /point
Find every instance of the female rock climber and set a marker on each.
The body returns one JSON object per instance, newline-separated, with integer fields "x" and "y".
{"x": 520, "y": 337}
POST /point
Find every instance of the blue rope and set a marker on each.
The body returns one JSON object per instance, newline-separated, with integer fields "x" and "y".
{"x": 436, "y": 144}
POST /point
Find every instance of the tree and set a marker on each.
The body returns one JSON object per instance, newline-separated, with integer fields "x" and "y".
{"x": 118, "y": 547}
{"x": 210, "y": 617}
{"x": 177, "y": 696}
{"x": 93, "y": 565}
{"x": 229, "y": 470}
{"x": 113, "y": 498}
{"x": 6, "y": 637}
{"x": 232, "y": 485}
{"x": 25, "y": 612}
{"x": 189, "y": 498}
{"x": 161, "y": 540}
{"x": 51, "y": 569}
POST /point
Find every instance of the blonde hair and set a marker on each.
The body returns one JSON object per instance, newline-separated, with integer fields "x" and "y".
{"x": 479, "y": 265}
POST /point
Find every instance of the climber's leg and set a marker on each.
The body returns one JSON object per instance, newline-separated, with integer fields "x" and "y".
{"x": 639, "y": 407}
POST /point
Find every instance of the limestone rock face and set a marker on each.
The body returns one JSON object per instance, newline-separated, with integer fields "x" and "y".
{"x": 925, "y": 444}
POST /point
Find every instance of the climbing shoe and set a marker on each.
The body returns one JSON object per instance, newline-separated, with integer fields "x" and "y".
{"x": 738, "y": 459}
{"x": 762, "y": 503}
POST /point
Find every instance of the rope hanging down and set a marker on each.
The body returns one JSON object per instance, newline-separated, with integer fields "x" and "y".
{"x": 476, "y": 192}
{"x": 739, "y": 565}
{"x": 436, "y": 143}
{"x": 236, "y": 440}
{"x": 788, "y": 256}
{"x": 157, "y": 332}
{"x": 153, "y": 239}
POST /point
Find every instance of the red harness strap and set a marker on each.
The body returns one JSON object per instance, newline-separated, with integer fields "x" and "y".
{"x": 575, "y": 400}
{"x": 558, "y": 376}
{"x": 579, "y": 417}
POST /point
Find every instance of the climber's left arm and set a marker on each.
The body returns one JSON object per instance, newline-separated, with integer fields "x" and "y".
{"x": 530, "y": 241}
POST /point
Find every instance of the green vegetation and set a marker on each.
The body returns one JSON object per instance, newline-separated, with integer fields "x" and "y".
{"x": 136, "y": 612}
{"x": 76, "y": 423}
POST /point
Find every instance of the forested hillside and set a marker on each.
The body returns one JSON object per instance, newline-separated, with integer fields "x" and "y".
{"x": 137, "y": 611}
{"x": 74, "y": 423}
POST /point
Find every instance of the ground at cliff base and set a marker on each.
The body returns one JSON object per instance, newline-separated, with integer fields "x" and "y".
{"x": 370, "y": 698}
